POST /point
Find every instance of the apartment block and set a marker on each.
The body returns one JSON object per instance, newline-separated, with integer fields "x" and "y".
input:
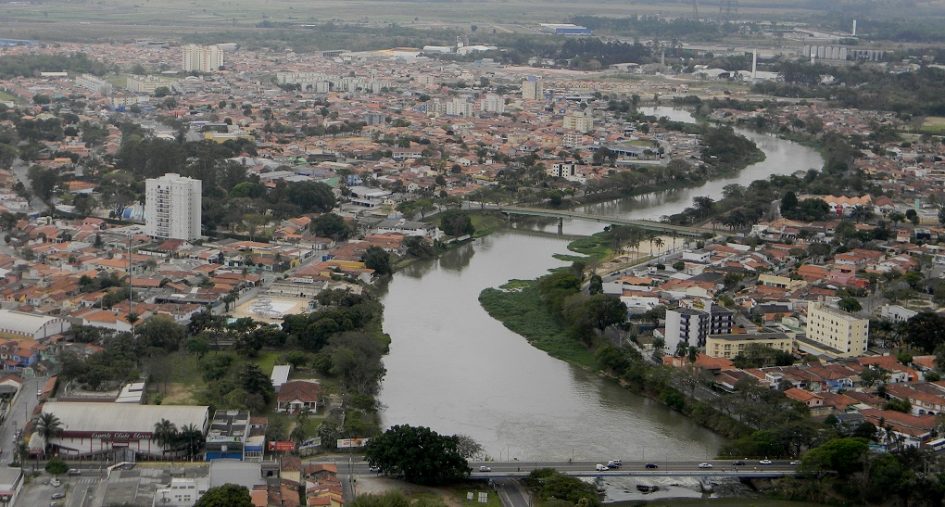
{"x": 172, "y": 207}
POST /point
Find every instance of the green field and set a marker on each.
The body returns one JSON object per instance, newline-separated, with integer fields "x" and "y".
{"x": 933, "y": 125}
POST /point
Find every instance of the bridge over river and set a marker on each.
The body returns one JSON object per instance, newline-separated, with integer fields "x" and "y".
{"x": 513, "y": 469}
{"x": 650, "y": 225}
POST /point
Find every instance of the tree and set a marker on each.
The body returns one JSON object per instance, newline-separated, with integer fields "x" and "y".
{"x": 456, "y": 223}
{"x": 228, "y": 495}
{"x": 43, "y": 181}
{"x": 850, "y": 304}
{"x": 468, "y": 447}
{"x": 162, "y": 332}
{"x": 311, "y": 196}
{"x": 841, "y": 455}
{"x": 332, "y": 226}
{"x": 378, "y": 259}
{"x": 595, "y": 285}
{"x": 788, "y": 203}
{"x": 162, "y": 91}
{"x": 418, "y": 454}
{"x": 926, "y": 331}
{"x": 56, "y": 466}
{"x": 254, "y": 381}
{"x": 165, "y": 433}
{"x": 48, "y": 426}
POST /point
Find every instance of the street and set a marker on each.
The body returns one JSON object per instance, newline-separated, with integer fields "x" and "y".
{"x": 18, "y": 415}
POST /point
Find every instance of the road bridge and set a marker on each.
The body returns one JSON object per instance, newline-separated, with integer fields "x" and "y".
{"x": 657, "y": 468}
{"x": 650, "y": 225}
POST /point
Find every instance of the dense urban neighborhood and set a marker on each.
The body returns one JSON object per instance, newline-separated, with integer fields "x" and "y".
{"x": 297, "y": 268}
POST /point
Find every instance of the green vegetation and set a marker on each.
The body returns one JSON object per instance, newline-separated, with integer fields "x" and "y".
{"x": 29, "y": 65}
{"x": 519, "y": 307}
{"x": 456, "y": 223}
{"x": 398, "y": 499}
{"x": 56, "y": 466}
{"x": 550, "y": 485}
{"x": 418, "y": 455}
{"x": 228, "y": 495}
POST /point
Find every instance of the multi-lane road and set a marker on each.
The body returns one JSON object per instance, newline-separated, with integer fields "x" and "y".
{"x": 496, "y": 470}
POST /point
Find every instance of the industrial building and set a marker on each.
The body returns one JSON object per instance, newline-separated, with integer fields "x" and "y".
{"x": 21, "y": 325}
{"x": 116, "y": 431}
{"x": 565, "y": 29}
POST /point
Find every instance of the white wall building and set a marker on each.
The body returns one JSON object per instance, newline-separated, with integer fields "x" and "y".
{"x": 172, "y": 207}
{"x": 94, "y": 84}
{"x": 532, "y": 88}
{"x": 18, "y": 325}
{"x": 842, "y": 334}
{"x": 492, "y": 103}
{"x": 202, "y": 58}
{"x": 181, "y": 492}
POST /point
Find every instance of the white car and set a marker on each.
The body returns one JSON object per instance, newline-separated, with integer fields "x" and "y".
{"x": 55, "y": 483}
{"x": 484, "y": 468}
{"x": 765, "y": 462}
{"x": 796, "y": 462}
{"x": 601, "y": 468}
{"x": 705, "y": 465}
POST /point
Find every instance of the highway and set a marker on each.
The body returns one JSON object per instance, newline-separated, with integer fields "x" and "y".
{"x": 499, "y": 470}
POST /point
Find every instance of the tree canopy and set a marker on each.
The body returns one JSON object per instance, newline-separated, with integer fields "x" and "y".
{"x": 418, "y": 454}
{"x": 228, "y": 495}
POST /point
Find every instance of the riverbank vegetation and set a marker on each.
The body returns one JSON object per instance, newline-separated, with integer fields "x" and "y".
{"x": 554, "y": 488}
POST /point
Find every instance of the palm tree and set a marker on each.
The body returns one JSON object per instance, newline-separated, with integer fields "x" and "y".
{"x": 165, "y": 432}
{"x": 194, "y": 439}
{"x": 48, "y": 426}
{"x": 658, "y": 241}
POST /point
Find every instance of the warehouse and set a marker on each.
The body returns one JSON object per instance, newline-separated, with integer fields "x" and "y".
{"x": 120, "y": 431}
{"x": 18, "y": 325}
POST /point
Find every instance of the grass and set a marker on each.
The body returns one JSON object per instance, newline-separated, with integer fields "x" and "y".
{"x": 933, "y": 125}
{"x": 486, "y": 223}
{"x": 598, "y": 246}
{"x": 4, "y": 97}
{"x": 459, "y": 494}
{"x": 519, "y": 307}
{"x": 267, "y": 360}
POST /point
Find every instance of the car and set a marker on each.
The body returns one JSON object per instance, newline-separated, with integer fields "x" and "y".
{"x": 615, "y": 463}
{"x": 796, "y": 462}
{"x": 55, "y": 483}
{"x": 739, "y": 463}
{"x": 651, "y": 465}
{"x": 375, "y": 469}
{"x": 601, "y": 468}
{"x": 58, "y": 495}
{"x": 484, "y": 468}
{"x": 765, "y": 461}
{"x": 705, "y": 465}
{"x": 74, "y": 471}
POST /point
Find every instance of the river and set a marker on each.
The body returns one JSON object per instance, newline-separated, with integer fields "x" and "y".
{"x": 453, "y": 368}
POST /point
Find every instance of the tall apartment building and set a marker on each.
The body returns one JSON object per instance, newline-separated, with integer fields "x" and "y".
{"x": 146, "y": 84}
{"x": 580, "y": 121}
{"x": 532, "y": 88}
{"x": 459, "y": 106}
{"x": 842, "y": 334}
{"x": 492, "y": 103}
{"x": 694, "y": 326}
{"x": 172, "y": 207}
{"x": 202, "y": 58}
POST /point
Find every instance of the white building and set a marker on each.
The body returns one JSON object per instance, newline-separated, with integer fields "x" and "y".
{"x": 492, "y": 103}
{"x": 119, "y": 430}
{"x": 146, "y": 84}
{"x": 172, "y": 207}
{"x": 202, "y": 58}
{"x": 532, "y": 88}
{"x": 18, "y": 325}
{"x": 581, "y": 121}
{"x": 834, "y": 332}
{"x": 94, "y": 84}
{"x": 181, "y": 492}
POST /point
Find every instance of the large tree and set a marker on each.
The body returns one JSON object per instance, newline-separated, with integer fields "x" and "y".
{"x": 332, "y": 226}
{"x": 48, "y": 426}
{"x": 378, "y": 259}
{"x": 926, "y": 331}
{"x": 311, "y": 196}
{"x": 418, "y": 454}
{"x": 228, "y": 495}
{"x": 456, "y": 223}
{"x": 161, "y": 331}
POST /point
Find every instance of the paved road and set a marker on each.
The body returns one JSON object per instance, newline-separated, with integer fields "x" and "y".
{"x": 498, "y": 470}
{"x": 17, "y": 416}
{"x": 511, "y": 493}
